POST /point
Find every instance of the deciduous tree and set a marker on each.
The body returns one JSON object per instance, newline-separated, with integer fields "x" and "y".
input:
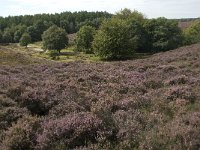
{"x": 25, "y": 39}
{"x": 55, "y": 38}
{"x": 84, "y": 39}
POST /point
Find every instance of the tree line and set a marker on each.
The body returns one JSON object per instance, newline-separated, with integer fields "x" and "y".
{"x": 129, "y": 32}
{"x": 115, "y": 36}
{"x": 13, "y": 27}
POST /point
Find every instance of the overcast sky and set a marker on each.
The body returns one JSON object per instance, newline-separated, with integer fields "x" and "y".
{"x": 151, "y": 8}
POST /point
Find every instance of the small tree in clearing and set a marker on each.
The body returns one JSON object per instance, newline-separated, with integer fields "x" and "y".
{"x": 84, "y": 39}
{"x": 192, "y": 34}
{"x": 55, "y": 38}
{"x": 25, "y": 39}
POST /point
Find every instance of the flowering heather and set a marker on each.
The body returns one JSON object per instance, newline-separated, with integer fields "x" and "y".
{"x": 73, "y": 130}
{"x": 151, "y": 103}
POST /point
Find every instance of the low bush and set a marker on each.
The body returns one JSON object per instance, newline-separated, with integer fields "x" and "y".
{"x": 192, "y": 34}
{"x": 84, "y": 39}
{"x": 70, "y": 131}
{"x": 22, "y": 135}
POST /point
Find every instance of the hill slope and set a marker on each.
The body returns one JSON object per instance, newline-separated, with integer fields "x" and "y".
{"x": 10, "y": 55}
{"x": 151, "y": 103}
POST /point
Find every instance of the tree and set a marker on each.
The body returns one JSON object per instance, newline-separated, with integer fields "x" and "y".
{"x": 163, "y": 34}
{"x": 115, "y": 39}
{"x": 25, "y": 39}
{"x": 65, "y": 25}
{"x": 54, "y": 38}
{"x": 121, "y": 36}
{"x": 17, "y": 36}
{"x": 84, "y": 39}
{"x": 37, "y": 24}
{"x": 7, "y": 37}
{"x": 1, "y": 37}
{"x": 136, "y": 20}
{"x": 34, "y": 33}
{"x": 192, "y": 34}
{"x": 128, "y": 14}
{"x": 18, "y": 33}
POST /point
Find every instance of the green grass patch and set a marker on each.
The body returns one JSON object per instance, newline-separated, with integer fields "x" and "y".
{"x": 68, "y": 54}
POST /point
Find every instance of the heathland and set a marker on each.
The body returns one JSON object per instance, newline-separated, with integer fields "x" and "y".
{"x": 72, "y": 98}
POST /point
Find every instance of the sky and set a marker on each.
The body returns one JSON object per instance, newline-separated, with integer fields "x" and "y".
{"x": 150, "y": 8}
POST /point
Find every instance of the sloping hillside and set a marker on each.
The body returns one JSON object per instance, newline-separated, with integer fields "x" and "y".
{"x": 185, "y": 24}
{"x": 151, "y": 103}
{"x": 10, "y": 55}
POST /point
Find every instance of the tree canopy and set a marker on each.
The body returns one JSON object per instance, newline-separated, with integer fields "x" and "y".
{"x": 35, "y": 25}
{"x": 54, "y": 38}
{"x": 192, "y": 34}
{"x": 163, "y": 34}
{"x": 115, "y": 39}
{"x": 25, "y": 39}
{"x": 84, "y": 39}
{"x": 120, "y": 36}
{"x": 1, "y": 37}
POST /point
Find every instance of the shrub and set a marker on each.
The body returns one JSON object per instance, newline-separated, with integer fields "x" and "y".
{"x": 136, "y": 20}
{"x": 192, "y": 34}
{"x": 128, "y": 14}
{"x": 25, "y": 39}
{"x": 181, "y": 92}
{"x": 37, "y": 101}
{"x": 22, "y": 135}
{"x": 181, "y": 79}
{"x": 1, "y": 37}
{"x": 9, "y": 115}
{"x": 73, "y": 130}
{"x": 17, "y": 35}
{"x": 115, "y": 39}
{"x": 121, "y": 36}
{"x": 163, "y": 34}
{"x": 84, "y": 39}
{"x": 182, "y": 133}
{"x": 54, "y": 38}
{"x": 54, "y": 55}
{"x": 65, "y": 108}
{"x": 7, "y": 37}
{"x": 6, "y": 102}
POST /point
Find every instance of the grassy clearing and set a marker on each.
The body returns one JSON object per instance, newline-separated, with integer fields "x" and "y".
{"x": 12, "y": 56}
{"x": 66, "y": 55}
{"x": 34, "y": 52}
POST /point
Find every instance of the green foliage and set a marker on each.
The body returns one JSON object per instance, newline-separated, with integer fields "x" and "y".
{"x": 1, "y": 37}
{"x": 7, "y": 37}
{"x": 163, "y": 34}
{"x": 18, "y": 33}
{"x": 25, "y": 39}
{"x": 121, "y": 36}
{"x": 54, "y": 55}
{"x": 37, "y": 29}
{"x": 22, "y": 135}
{"x": 33, "y": 33}
{"x": 115, "y": 39}
{"x": 37, "y": 24}
{"x": 84, "y": 39}
{"x": 65, "y": 25}
{"x": 54, "y": 38}
{"x": 17, "y": 36}
{"x": 192, "y": 34}
{"x": 128, "y": 14}
{"x": 136, "y": 20}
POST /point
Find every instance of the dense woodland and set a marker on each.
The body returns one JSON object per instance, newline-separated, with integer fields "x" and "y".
{"x": 13, "y": 27}
{"x": 109, "y": 36}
